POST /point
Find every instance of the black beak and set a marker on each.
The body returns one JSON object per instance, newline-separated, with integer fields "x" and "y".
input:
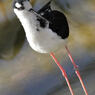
{"x": 45, "y": 7}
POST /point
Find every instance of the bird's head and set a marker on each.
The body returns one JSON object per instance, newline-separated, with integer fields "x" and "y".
{"x": 21, "y": 5}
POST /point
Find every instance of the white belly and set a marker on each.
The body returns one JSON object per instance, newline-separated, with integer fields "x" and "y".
{"x": 44, "y": 40}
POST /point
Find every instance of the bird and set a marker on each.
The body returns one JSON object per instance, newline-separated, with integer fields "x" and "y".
{"x": 46, "y": 31}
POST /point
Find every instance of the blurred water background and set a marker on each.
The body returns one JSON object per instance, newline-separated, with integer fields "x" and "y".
{"x": 26, "y": 72}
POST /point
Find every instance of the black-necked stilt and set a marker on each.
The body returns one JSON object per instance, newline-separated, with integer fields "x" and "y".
{"x": 46, "y": 31}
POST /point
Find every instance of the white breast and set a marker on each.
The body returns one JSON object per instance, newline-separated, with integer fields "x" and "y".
{"x": 43, "y": 41}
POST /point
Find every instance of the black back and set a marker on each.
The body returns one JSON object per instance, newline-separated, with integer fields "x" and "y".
{"x": 58, "y": 22}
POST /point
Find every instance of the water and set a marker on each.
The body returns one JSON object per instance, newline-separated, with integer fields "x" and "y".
{"x": 24, "y": 71}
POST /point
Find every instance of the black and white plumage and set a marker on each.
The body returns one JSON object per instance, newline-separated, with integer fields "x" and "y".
{"x": 46, "y": 29}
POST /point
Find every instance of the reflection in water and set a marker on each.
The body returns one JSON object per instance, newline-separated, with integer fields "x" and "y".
{"x": 29, "y": 73}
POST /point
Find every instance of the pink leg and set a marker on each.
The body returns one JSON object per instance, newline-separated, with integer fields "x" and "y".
{"x": 76, "y": 71}
{"x": 63, "y": 72}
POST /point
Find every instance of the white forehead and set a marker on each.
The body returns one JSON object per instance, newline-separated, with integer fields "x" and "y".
{"x": 18, "y": 5}
{"x": 26, "y": 4}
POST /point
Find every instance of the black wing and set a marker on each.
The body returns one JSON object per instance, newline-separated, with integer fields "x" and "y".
{"x": 58, "y": 21}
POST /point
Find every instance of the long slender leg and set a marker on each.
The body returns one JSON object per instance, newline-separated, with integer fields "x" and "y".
{"x": 77, "y": 71}
{"x": 63, "y": 72}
